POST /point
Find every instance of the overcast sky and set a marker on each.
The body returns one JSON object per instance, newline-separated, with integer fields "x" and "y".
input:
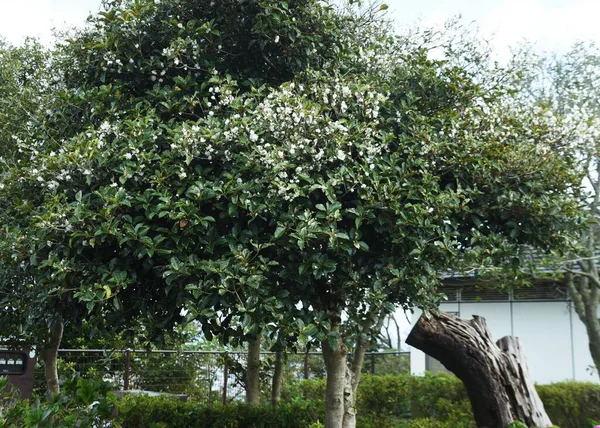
{"x": 551, "y": 24}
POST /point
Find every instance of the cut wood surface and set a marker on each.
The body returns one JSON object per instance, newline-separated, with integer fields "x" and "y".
{"x": 495, "y": 375}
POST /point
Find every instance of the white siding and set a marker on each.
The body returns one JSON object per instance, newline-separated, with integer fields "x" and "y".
{"x": 497, "y": 316}
{"x": 544, "y": 330}
{"x": 554, "y": 339}
{"x": 583, "y": 359}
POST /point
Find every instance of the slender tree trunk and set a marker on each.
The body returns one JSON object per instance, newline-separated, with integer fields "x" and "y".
{"x": 50, "y": 356}
{"x": 336, "y": 366}
{"x": 352, "y": 380}
{"x": 585, "y": 295}
{"x": 277, "y": 379}
{"x": 592, "y": 326}
{"x": 495, "y": 375}
{"x": 253, "y": 371}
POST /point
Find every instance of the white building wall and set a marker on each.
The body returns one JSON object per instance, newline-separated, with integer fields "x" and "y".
{"x": 554, "y": 339}
{"x": 417, "y": 357}
{"x": 497, "y": 316}
{"x": 544, "y": 330}
{"x": 584, "y": 365}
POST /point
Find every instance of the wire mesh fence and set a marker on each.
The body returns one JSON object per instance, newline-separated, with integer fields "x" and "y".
{"x": 204, "y": 376}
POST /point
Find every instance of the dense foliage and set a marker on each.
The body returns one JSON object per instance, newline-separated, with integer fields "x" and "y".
{"x": 268, "y": 166}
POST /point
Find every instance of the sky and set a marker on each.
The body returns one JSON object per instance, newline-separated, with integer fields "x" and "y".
{"x": 550, "y": 24}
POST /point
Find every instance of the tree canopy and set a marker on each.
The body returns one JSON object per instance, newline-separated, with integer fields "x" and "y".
{"x": 267, "y": 163}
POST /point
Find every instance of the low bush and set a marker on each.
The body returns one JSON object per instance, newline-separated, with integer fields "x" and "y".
{"x": 163, "y": 412}
{"x": 571, "y": 404}
{"x": 434, "y": 401}
{"x": 82, "y": 403}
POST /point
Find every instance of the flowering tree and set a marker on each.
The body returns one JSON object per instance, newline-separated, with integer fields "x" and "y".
{"x": 98, "y": 156}
{"x": 281, "y": 164}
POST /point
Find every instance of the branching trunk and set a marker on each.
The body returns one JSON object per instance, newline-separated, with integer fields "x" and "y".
{"x": 277, "y": 379}
{"x": 495, "y": 375}
{"x": 343, "y": 380}
{"x": 253, "y": 371}
{"x": 50, "y": 356}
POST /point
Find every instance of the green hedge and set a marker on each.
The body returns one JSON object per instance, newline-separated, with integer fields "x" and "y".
{"x": 440, "y": 401}
{"x": 163, "y": 412}
{"x": 571, "y": 404}
{"x": 435, "y": 401}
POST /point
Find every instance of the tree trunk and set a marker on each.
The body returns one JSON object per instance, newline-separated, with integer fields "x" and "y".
{"x": 352, "y": 380}
{"x": 592, "y": 326}
{"x": 585, "y": 295}
{"x": 253, "y": 371}
{"x": 495, "y": 375}
{"x": 336, "y": 366}
{"x": 277, "y": 379}
{"x": 50, "y": 355}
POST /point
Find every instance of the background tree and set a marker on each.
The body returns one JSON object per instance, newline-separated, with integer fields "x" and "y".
{"x": 566, "y": 86}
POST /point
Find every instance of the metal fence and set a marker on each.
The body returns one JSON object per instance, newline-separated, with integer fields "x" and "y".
{"x": 205, "y": 376}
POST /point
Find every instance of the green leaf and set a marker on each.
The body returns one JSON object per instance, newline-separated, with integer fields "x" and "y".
{"x": 303, "y": 268}
{"x": 334, "y": 341}
{"x": 279, "y": 232}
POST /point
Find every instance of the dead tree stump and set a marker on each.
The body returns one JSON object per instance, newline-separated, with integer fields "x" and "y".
{"x": 495, "y": 374}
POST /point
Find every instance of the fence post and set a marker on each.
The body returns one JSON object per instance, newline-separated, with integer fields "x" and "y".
{"x": 225, "y": 376}
{"x": 127, "y": 369}
{"x": 306, "y": 365}
{"x": 372, "y": 363}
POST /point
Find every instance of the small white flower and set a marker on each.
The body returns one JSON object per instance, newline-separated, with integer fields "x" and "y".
{"x": 277, "y": 39}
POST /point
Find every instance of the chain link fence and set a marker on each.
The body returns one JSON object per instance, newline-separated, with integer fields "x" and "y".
{"x": 204, "y": 376}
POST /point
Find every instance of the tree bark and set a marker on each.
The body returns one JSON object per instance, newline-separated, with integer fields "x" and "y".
{"x": 495, "y": 375}
{"x": 277, "y": 379}
{"x": 50, "y": 356}
{"x": 336, "y": 366}
{"x": 352, "y": 380}
{"x": 253, "y": 371}
{"x": 585, "y": 296}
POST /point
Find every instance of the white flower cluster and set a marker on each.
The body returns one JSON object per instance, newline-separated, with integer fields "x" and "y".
{"x": 301, "y": 129}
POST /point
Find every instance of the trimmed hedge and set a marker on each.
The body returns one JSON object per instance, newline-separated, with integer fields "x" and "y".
{"x": 435, "y": 401}
{"x": 163, "y": 412}
{"x": 571, "y": 404}
{"x": 440, "y": 401}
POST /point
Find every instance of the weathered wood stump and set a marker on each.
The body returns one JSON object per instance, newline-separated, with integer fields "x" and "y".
{"x": 495, "y": 374}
